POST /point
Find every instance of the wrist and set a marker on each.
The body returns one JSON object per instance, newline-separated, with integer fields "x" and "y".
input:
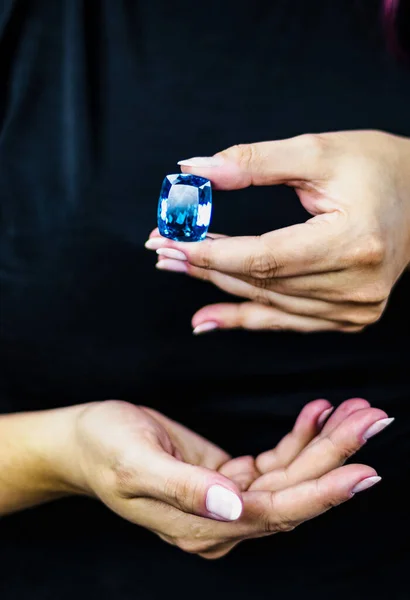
{"x": 50, "y": 440}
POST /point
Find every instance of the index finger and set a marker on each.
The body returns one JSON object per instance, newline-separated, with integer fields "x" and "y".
{"x": 285, "y": 509}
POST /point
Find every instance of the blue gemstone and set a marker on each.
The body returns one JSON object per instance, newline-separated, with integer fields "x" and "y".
{"x": 184, "y": 207}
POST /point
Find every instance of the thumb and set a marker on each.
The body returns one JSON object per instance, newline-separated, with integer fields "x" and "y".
{"x": 192, "y": 489}
{"x": 296, "y": 159}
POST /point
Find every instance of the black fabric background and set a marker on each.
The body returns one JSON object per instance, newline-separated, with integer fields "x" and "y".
{"x": 98, "y": 101}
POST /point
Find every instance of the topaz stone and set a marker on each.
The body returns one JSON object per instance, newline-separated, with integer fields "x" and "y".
{"x": 184, "y": 207}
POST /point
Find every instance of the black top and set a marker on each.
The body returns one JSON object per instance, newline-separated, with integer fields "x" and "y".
{"x": 98, "y": 101}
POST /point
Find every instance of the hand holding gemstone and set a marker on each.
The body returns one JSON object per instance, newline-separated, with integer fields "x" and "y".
{"x": 335, "y": 272}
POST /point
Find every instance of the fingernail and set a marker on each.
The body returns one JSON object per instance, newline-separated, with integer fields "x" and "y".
{"x": 178, "y": 266}
{"x": 208, "y": 326}
{"x": 155, "y": 243}
{"x": 322, "y": 418}
{"x": 223, "y": 503}
{"x": 377, "y": 428}
{"x": 171, "y": 253}
{"x": 201, "y": 161}
{"x": 366, "y": 484}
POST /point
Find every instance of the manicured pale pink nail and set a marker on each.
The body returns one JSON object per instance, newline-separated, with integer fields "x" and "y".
{"x": 155, "y": 243}
{"x": 167, "y": 264}
{"x": 171, "y": 253}
{"x": 207, "y": 326}
{"x": 201, "y": 161}
{"x": 322, "y": 418}
{"x": 377, "y": 428}
{"x": 366, "y": 484}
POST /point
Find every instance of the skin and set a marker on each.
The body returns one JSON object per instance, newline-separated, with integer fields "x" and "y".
{"x": 156, "y": 473}
{"x": 335, "y": 272}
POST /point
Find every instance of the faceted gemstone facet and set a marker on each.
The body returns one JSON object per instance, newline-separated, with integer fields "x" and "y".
{"x": 184, "y": 207}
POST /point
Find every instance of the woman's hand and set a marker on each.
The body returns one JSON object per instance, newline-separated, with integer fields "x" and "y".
{"x": 132, "y": 458}
{"x": 299, "y": 479}
{"x": 334, "y": 272}
{"x": 140, "y": 464}
{"x": 157, "y": 474}
{"x": 161, "y": 476}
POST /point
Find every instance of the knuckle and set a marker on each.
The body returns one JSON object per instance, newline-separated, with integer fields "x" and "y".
{"x": 194, "y": 546}
{"x": 268, "y": 525}
{"x": 187, "y": 545}
{"x": 182, "y": 492}
{"x": 376, "y": 293}
{"x": 247, "y": 154}
{"x": 260, "y": 296}
{"x": 199, "y": 539}
{"x": 325, "y": 500}
{"x": 375, "y": 252}
{"x": 274, "y": 521}
{"x": 377, "y": 311}
{"x": 380, "y": 292}
{"x": 316, "y": 144}
{"x": 357, "y": 317}
{"x": 279, "y": 525}
{"x": 366, "y": 316}
{"x": 369, "y": 251}
{"x": 218, "y": 551}
{"x": 342, "y": 451}
{"x": 285, "y": 527}
{"x": 282, "y": 477}
{"x": 203, "y": 256}
{"x": 262, "y": 266}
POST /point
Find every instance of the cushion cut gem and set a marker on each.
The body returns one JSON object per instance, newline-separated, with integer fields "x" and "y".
{"x": 184, "y": 207}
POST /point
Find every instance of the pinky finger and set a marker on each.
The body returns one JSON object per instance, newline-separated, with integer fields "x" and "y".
{"x": 254, "y": 316}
